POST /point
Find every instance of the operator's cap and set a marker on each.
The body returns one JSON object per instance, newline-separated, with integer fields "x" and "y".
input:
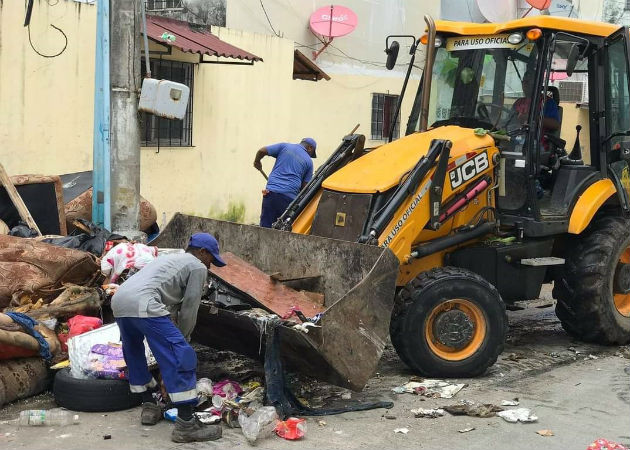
{"x": 312, "y": 143}
{"x": 208, "y": 242}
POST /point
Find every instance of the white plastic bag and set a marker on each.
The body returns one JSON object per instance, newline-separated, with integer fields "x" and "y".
{"x": 260, "y": 424}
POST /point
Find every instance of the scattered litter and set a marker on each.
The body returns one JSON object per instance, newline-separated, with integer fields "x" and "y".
{"x": 226, "y": 388}
{"x": 554, "y": 354}
{"x": 389, "y": 416}
{"x": 510, "y": 402}
{"x": 303, "y": 327}
{"x": 346, "y": 396}
{"x": 466, "y": 430}
{"x": 469, "y": 408}
{"x": 515, "y": 356}
{"x": 321, "y": 423}
{"x": 291, "y": 429}
{"x": 338, "y": 432}
{"x": 63, "y": 436}
{"x": 430, "y": 388}
{"x": 592, "y": 357}
{"x": 208, "y": 417}
{"x": 604, "y": 444}
{"x": 518, "y": 415}
{"x": 401, "y": 430}
{"x": 107, "y": 437}
{"x": 429, "y": 413}
{"x": 61, "y": 365}
{"x": 171, "y": 414}
{"x": 260, "y": 424}
{"x": 545, "y": 432}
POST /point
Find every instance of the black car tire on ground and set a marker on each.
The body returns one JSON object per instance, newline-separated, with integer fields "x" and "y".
{"x": 93, "y": 395}
{"x": 448, "y": 290}
{"x": 584, "y": 285}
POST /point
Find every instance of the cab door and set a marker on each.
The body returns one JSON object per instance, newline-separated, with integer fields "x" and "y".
{"x": 616, "y": 114}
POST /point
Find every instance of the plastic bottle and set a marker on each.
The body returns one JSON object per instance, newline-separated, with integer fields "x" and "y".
{"x": 51, "y": 417}
{"x": 260, "y": 424}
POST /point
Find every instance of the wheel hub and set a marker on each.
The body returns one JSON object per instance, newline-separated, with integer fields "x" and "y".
{"x": 621, "y": 283}
{"x": 453, "y": 328}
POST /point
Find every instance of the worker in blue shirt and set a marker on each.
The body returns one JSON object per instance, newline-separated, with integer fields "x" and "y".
{"x": 292, "y": 170}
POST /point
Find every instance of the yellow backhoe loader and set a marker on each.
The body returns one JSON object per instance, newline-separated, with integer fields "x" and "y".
{"x": 427, "y": 238}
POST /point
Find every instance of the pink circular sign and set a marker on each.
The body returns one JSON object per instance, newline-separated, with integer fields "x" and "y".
{"x": 333, "y": 21}
{"x": 540, "y": 4}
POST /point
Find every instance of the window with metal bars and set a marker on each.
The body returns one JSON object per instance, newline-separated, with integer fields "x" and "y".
{"x": 383, "y": 110}
{"x": 161, "y": 132}
{"x": 159, "y": 5}
{"x": 627, "y": 8}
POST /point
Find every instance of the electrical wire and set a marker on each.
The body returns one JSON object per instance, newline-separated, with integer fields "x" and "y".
{"x": 269, "y": 20}
{"x": 65, "y": 45}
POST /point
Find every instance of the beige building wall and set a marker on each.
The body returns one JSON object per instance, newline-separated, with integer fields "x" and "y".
{"x": 46, "y": 111}
{"x": 239, "y": 109}
{"x": 46, "y": 104}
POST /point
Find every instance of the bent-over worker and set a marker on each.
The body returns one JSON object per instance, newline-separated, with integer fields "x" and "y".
{"x": 292, "y": 170}
{"x": 142, "y": 307}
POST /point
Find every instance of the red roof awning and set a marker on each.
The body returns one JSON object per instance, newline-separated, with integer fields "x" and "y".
{"x": 191, "y": 40}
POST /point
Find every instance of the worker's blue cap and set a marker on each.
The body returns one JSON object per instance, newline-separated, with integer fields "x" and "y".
{"x": 313, "y": 144}
{"x": 207, "y": 241}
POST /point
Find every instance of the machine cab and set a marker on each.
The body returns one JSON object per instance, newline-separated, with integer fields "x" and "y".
{"x": 558, "y": 91}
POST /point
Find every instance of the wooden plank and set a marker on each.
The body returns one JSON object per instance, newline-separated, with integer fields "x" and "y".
{"x": 17, "y": 200}
{"x": 271, "y": 294}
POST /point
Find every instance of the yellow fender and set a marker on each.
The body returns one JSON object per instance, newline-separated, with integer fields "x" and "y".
{"x": 589, "y": 203}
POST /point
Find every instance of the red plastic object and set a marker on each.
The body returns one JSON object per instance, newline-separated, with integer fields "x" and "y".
{"x": 82, "y": 324}
{"x": 63, "y": 340}
{"x": 603, "y": 444}
{"x": 291, "y": 429}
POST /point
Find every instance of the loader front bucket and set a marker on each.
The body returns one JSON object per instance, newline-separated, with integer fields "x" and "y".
{"x": 358, "y": 284}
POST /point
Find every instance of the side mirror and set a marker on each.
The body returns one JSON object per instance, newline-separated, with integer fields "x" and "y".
{"x": 392, "y": 55}
{"x": 573, "y": 58}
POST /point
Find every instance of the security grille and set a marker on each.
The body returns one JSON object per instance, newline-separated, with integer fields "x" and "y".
{"x": 383, "y": 110}
{"x": 161, "y": 5}
{"x": 161, "y": 132}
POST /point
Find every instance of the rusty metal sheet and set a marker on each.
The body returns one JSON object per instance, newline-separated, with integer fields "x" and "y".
{"x": 192, "y": 40}
{"x": 357, "y": 280}
{"x": 272, "y": 295}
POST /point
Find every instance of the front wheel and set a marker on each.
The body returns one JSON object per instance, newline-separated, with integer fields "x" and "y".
{"x": 449, "y": 322}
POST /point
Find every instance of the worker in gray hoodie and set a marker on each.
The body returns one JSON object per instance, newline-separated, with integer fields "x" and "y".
{"x": 142, "y": 307}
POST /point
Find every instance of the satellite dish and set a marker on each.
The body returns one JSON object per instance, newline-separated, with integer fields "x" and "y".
{"x": 453, "y": 10}
{"x": 539, "y": 4}
{"x": 330, "y": 22}
{"x": 333, "y": 21}
{"x": 560, "y": 8}
{"x": 497, "y": 10}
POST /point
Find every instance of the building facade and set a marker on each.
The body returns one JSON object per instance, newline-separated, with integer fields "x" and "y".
{"x": 203, "y": 165}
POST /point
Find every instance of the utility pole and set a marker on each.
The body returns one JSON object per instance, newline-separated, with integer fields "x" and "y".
{"x": 125, "y": 45}
{"x": 101, "y": 187}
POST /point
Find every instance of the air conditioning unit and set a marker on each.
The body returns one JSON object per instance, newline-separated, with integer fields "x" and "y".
{"x": 573, "y": 91}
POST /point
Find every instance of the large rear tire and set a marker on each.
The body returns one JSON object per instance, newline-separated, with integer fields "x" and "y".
{"x": 449, "y": 322}
{"x": 589, "y": 289}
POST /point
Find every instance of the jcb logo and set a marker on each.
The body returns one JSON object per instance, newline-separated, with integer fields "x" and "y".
{"x": 468, "y": 170}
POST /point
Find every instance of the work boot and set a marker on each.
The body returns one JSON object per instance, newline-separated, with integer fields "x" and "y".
{"x": 194, "y": 431}
{"x": 151, "y": 414}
